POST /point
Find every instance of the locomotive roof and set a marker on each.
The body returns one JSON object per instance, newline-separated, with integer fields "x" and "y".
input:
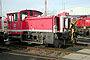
{"x": 12, "y": 12}
{"x": 32, "y": 10}
{"x": 24, "y": 10}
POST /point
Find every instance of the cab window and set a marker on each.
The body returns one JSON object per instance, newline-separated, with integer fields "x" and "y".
{"x": 36, "y": 14}
{"x": 23, "y": 15}
{"x": 67, "y": 23}
{"x": 57, "y": 23}
{"x": 31, "y": 13}
{"x": 11, "y": 17}
{"x": 0, "y": 18}
{"x": 15, "y": 17}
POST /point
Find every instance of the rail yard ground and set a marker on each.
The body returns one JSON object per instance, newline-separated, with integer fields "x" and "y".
{"x": 19, "y": 52}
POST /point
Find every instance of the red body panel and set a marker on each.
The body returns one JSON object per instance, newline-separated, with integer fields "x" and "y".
{"x": 80, "y": 23}
{"x": 63, "y": 14}
{"x": 38, "y": 23}
{"x": 33, "y": 24}
{"x": 85, "y": 22}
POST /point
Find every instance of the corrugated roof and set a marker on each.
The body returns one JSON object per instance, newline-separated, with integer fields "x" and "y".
{"x": 77, "y": 11}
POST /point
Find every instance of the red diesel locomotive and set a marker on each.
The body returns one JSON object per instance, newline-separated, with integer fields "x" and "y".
{"x": 83, "y": 26}
{"x": 29, "y": 26}
{"x": 82, "y": 30}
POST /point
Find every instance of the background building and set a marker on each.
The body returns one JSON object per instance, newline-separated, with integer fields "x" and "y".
{"x": 78, "y": 11}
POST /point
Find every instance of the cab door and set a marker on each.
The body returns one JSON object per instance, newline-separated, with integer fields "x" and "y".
{"x": 66, "y": 24}
{"x": 10, "y": 20}
{"x": 57, "y": 24}
{"x": 13, "y": 23}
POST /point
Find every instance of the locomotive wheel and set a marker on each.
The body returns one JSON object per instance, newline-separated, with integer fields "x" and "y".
{"x": 57, "y": 44}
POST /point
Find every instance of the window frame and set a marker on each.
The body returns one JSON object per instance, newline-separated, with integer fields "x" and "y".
{"x": 21, "y": 15}
{"x": 15, "y": 17}
{"x": 37, "y": 14}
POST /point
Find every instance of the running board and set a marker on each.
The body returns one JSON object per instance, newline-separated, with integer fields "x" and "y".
{"x": 29, "y": 42}
{"x": 83, "y": 40}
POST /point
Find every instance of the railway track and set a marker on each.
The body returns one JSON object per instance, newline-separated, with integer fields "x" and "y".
{"x": 81, "y": 46}
{"x": 45, "y": 51}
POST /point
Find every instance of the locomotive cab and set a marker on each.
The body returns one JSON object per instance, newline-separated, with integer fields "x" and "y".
{"x": 17, "y": 22}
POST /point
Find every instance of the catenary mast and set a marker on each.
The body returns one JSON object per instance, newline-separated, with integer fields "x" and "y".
{"x": 45, "y": 7}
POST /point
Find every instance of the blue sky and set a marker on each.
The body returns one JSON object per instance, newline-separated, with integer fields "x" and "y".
{"x": 52, "y": 5}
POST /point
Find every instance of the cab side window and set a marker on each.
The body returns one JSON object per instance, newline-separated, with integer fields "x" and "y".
{"x": 67, "y": 23}
{"x": 23, "y": 15}
{"x": 10, "y": 19}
